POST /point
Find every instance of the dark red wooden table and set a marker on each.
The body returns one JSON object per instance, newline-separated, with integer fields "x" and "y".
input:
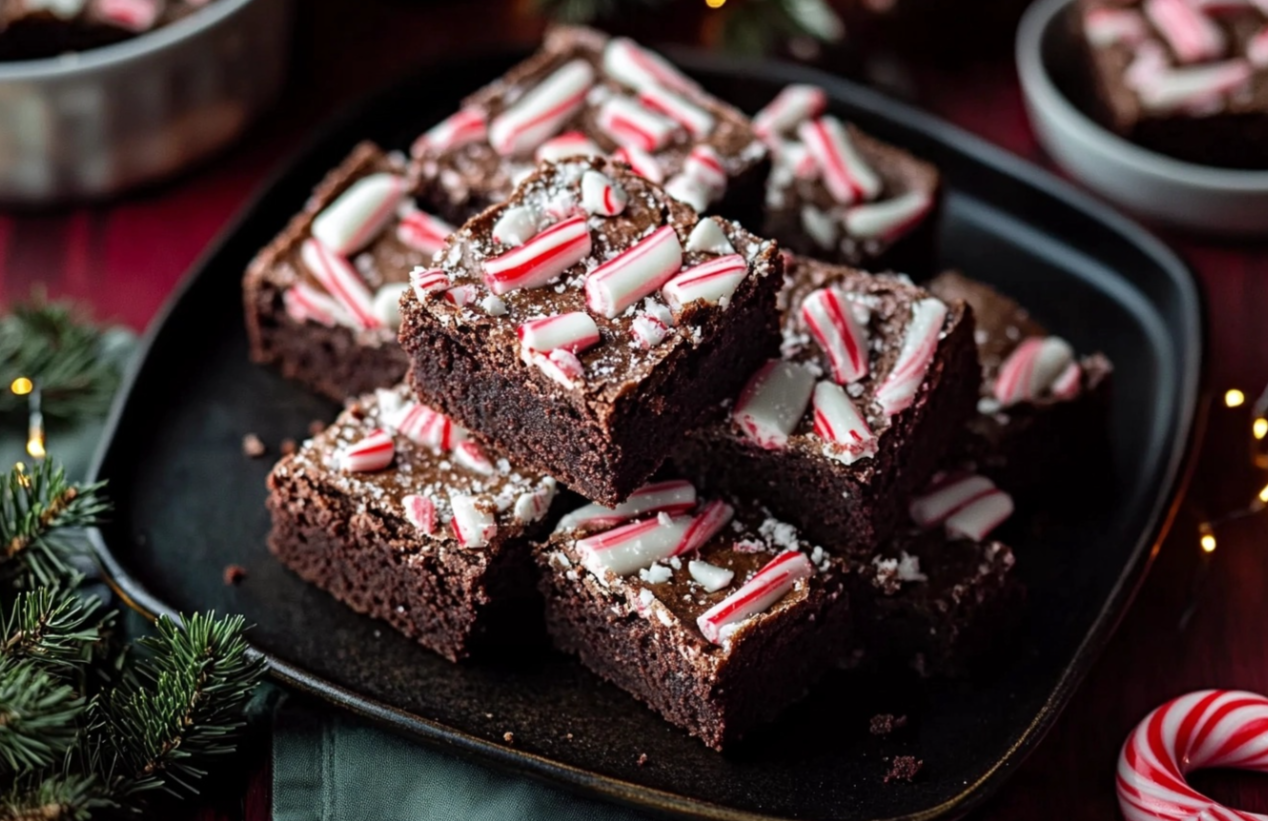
{"x": 123, "y": 258}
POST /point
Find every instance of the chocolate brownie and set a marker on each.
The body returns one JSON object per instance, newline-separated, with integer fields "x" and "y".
{"x": 717, "y": 617}
{"x": 586, "y": 93}
{"x": 322, "y": 299}
{"x": 394, "y": 512}
{"x": 33, "y": 29}
{"x": 589, "y": 322}
{"x": 1187, "y": 78}
{"x": 838, "y": 194}
{"x": 876, "y": 380}
{"x": 1042, "y": 414}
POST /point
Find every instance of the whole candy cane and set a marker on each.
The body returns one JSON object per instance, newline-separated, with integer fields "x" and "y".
{"x": 1204, "y": 729}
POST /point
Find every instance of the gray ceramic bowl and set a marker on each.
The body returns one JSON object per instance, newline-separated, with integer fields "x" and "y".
{"x": 94, "y": 123}
{"x": 1151, "y": 185}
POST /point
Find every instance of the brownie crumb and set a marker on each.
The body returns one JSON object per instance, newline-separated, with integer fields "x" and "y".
{"x": 315, "y": 427}
{"x": 642, "y": 759}
{"x": 886, "y": 723}
{"x": 288, "y": 447}
{"x": 234, "y": 573}
{"x": 508, "y": 737}
{"x": 904, "y": 768}
{"x": 567, "y": 736}
{"x": 252, "y": 446}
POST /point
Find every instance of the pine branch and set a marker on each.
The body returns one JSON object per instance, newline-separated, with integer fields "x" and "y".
{"x": 65, "y": 797}
{"x": 49, "y": 343}
{"x": 187, "y": 705}
{"x": 55, "y": 628}
{"x": 38, "y": 716}
{"x": 35, "y": 507}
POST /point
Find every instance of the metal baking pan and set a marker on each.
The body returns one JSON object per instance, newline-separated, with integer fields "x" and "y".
{"x": 188, "y": 503}
{"x": 97, "y": 122}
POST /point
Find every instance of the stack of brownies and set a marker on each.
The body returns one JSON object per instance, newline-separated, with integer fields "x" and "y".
{"x": 785, "y": 462}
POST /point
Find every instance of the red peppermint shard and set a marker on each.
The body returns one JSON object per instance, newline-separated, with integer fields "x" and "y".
{"x": 768, "y": 586}
{"x": 374, "y": 452}
{"x": 635, "y": 273}
{"x": 830, "y": 318}
{"x": 421, "y": 513}
{"x": 540, "y": 259}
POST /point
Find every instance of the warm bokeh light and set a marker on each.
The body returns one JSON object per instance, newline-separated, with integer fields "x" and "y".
{"x": 22, "y": 386}
{"x": 1234, "y": 398}
{"x": 35, "y": 447}
{"x": 1260, "y": 428}
{"x": 715, "y": 4}
{"x": 1208, "y": 543}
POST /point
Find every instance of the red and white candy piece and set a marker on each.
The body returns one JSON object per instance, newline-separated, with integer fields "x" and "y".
{"x": 838, "y": 422}
{"x": 571, "y": 144}
{"x": 641, "y": 163}
{"x": 686, "y": 188}
{"x": 133, "y": 15}
{"x": 1257, "y": 49}
{"x": 1069, "y": 384}
{"x": 574, "y": 331}
{"x": 712, "y": 282}
{"x": 428, "y": 282}
{"x": 704, "y": 165}
{"x": 473, "y": 521}
{"x": 423, "y": 232}
{"x": 832, "y": 323}
{"x": 634, "y": 273}
{"x": 462, "y": 295}
{"x": 421, "y": 513}
{"x": 358, "y": 214}
{"x": 1217, "y": 7}
{"x": 425, "y": 426}
{"x": 888, "y": 219}
{"x": 600, "y": 195}
{"x": 1193, "y": 36}
{"x": 846, "y": 175}
{"x": 374, "y": 452}
{"x": 516, "y": 226}
{"x": 560, "y": 365}
{"x": 792, "y": 157}
{"x": 672, "y": 497}
{"x": 1201, "y": 87}
{"x": 790, "y": 108}
{"x": 709, "y": 238}
{"x": 533, "y": 505}
{"x": 1031, "y": 369}
{"x": 471, "y": 456}
{"x": 1205, "y": 729}
{"x": 631, "y": 124}
{"x": 698, "y": 122}
{"x": 978, "y": 518}
{"x": 768, "y": 586}
{"x": 542, "y": 111}
{"x": 773, "y": 402}
{"x": 304, "y": 303}
{"x": 920, "y": 343}
{"x": 651, "y": 325}
{"x": 341, "y": 281}
{"x": 631, "y": 547}
{"x": 710, "y": 577}
{"x": 540, "y": 259}
{"x": 946, "y": 496}
{"x": 630, "y": 64}
{"x": 1106, "y": 26}
{"x": 470, "y": 125}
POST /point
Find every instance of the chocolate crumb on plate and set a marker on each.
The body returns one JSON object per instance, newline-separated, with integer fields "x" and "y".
{"x": 642, "y": 759}
{"x": 252, "y": 446}
{"x": 234, "y": 573}
{"x": 288, "y": 447}
{"x": 508, "y": 737}
{"x": 904, "y": 768}
{"x": 886, "y": 723}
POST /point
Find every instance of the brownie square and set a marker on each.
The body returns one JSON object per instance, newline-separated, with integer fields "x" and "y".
{"x": 1047, "y": 432}
{"x": 435, "y": 541}
{"x": 329, "y": 319}
{"x": 586, "y": 93}
{"x": 838, "y": 453}
{"x": 609, "y": 336}
{"x": 1184, "y": 78}
{"x": 715, "y": 616}
{"x": 838, "y": 194}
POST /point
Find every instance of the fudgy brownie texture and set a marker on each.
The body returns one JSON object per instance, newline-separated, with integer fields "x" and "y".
{"x": 357, "y": 534}
{"x": 850, "y": 500}
{"x": 641, "y": 629}
{"x": 1041, "y": 441}
{"x": 934, "y": 603}
{"x": 889, "y": 226}
{"x": 631, "y": 396}
{"x": 1186, "y": 79}
{"x": 470, "y": 163}
{"x": 318, "y": 341}
{"x": 33, "y": 29}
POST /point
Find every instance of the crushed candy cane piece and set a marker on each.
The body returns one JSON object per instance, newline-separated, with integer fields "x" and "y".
{"x": 423, "y": 232}
{"x": 697, "y": 121}
{"x": 920, "y": 343}
{"x": 570, "y": 144}
{"x": 630, "y": 124}
{"x": 473, "y": 521}
{"x": 420, "y": 512}
{"x": 358, "y": 214}
{"x": 773, "y": 402}
{"x": 425, "y": 426}
{"x": 946, "y": 496}
{"x": 641, "y": 163}
{"x": 574, "y": 331}
{"x": 842, "y": 337}
{"x": 600, "y": 195}
{"x": 517, "y": 225}
{"x": 757, "y": 595}
{"x": 374, "y": 452}
{"x": 542, "y": 111}
{"x": 846, "y": 175}
{"x": 979, "y": 517}
{"x": 712, "y": 282}
{"x": 634, "y": 273}
{"x": 673, "y": 496}
{"x": 427, "y": 282}
{"x": 888, "y": 219}
{"x": 469, "y": 125}
{"x": 839, "y": 423}
{"x": 709, "y": 238}
{"x": 341, "y": 281}
{"x": 471, "y": 456}
{"x": 533, "y": 505}
{"x": 540, "y": 259}
{"x": 560, "y": 365}
{"x": 793, "y": 105}
{"x": 1193, "y": 36}
{"x": 709, "y": 576}
{"x": 634, "y": 66}
{"x": 1031, "y": 369}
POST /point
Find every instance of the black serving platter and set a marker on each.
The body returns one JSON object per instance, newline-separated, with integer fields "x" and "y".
{"x": 188, "y": 503}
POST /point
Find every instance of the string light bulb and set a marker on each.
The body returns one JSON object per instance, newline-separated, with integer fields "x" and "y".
{"x": 1208, "y": 543}
{"x": 1260, "y": 428}
{"x": 21, "y": 386}
{"x": 715, "y": 4}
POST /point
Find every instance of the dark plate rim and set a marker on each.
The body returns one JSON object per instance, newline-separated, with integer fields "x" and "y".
{"x": 1178, "y": 469}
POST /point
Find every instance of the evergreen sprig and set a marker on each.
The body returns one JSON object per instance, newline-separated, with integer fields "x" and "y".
{"x": 54, "y": 627}
{"x": 39, "y": 716}
{"x": 37, "y": 509}
{"x": 49, "y": 343}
